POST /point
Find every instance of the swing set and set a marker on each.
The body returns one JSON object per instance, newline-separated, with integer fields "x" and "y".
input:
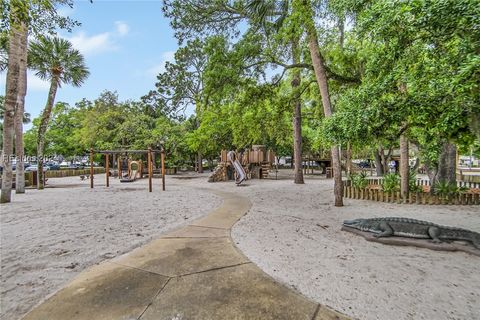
{"x": 131, "y": 174}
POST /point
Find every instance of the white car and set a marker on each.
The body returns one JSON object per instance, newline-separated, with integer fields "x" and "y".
{"x": 35, "y": 168}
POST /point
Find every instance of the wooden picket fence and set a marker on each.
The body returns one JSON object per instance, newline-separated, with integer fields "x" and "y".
{"x": 425, "y": 182}
{"x": 463, "y": 198}
{"x": 72, "y": 172}
{"x": 31, "y": 177}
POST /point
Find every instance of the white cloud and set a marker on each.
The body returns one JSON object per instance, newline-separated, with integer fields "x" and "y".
{"x": 65, "y": 11}
{"x": 34, "y": 83}
{"x": 99, "y": 43}
{"x": 95, "y": 44}
{"x": 122, "y": 28}
{"x": 167, "y": 56}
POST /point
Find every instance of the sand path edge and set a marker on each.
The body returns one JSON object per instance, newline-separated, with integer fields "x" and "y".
{"x": 195, "y": 272}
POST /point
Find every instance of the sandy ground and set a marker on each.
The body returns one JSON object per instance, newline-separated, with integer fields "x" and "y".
{"x": 48, "y": 237}
{"x": 293, "y": 233}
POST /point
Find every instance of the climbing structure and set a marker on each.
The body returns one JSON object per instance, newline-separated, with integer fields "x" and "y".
{"x": 257, "y": 164}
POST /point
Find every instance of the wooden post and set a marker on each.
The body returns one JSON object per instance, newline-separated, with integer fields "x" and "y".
{"x": 163, "y": 168}
{"x": 91, "y": 168}
{"x": 119, "y": 163}
{"x": 149, "y": 166}
{"x": 107, "y": 169}
{"x": 114, "y": 158}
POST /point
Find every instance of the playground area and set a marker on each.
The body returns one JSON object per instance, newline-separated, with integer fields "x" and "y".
{"x": 48, "y": 237}
{"x": 291, "y": 232}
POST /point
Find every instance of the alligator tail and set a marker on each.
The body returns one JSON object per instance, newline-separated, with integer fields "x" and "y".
{"x": 476, "y": 240}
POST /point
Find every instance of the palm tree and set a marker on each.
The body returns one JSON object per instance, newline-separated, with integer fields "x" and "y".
{"x": 19, "y": 116}
{"x": 17, "y": 44}
{"x": 56, "y": 60}
{"x": 27, "y": 118}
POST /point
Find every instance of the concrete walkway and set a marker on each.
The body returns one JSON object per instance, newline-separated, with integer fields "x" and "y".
{"x": 192, "y": 273}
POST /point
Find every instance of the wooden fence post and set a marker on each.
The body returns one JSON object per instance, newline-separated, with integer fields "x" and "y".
{"x": 107, "y": 169}
{"x": 91, "y": 168}
{"x": 149, "y": 166}
{"x": 163, "y": 168}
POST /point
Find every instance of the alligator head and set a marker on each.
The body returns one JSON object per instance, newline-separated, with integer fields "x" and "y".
{"x": 363, "y": 224}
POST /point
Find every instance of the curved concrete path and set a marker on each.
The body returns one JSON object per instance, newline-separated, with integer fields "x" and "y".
{"x": 195, "y": 272}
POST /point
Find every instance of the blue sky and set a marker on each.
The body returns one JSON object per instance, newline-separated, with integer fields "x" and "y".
{"x": 125, "y": 44}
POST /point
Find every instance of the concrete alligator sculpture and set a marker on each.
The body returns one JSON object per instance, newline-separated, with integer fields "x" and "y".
{"x": 412, "y": 228}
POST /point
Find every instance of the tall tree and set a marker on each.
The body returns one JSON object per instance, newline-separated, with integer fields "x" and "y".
{"x": 20, "y": 115}
{"x": 404, "y": 167}
{"x": 272, "y": 16}
{"x": 422, "y": 71}
{"x": 18, "y": 17}
{"x": 17, "y": 34}
{"x": 182, "y": 85}
{"x": 54, "y": 59}
{"x": 305, "y": 7}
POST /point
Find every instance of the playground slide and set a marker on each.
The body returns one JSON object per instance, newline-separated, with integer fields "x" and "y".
{"x": 131, "y": 178}
{"x": 241, "y": 175}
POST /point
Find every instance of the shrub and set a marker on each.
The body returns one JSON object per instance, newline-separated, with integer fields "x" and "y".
{"x": 391, "y": 182}
{"x": 359, "y": 180}
{"x": 445, "y": 189}
{"x": 412, "y": 182}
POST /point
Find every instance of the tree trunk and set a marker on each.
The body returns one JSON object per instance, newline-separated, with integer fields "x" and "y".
{"x": 432, "y": 172}
{"x": 11, "y": 95}
{"x": 321, "y": 76}
{"x": 447, "y": 164}
{"x": 297, "y": 116}
{"x": 210, "y": 164}
{"x": 341, "y": 30}
{"x": 42, "y": 129}
{"x": 154, "y": 164}
{"x": 404, "y": 168}
{"x": 19, "y": 112}
{"x": 378, "y": 164}
{"x": 349, "y": 159}
{"x": 445, "y": 170}
{"x": 385, "y": 159}
{"x": 200, "y": 164}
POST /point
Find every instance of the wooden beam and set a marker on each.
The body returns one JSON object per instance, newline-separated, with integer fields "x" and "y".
{"x": 107, "y": 169}
{"x": 91, "y": 168}
{"x": 125, "y": 151}
{"x": 163, "y": 169}
{"x": 149, "y": 166}
{"x": 119, "y": 163}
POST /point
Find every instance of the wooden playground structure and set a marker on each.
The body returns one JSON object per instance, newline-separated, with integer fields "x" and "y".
{"x": 124, "y": 163}
{"x": 257, "y": 163}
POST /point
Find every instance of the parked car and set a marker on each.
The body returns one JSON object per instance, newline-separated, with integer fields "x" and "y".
{"x": 73, "y": 166}
{"x": 53, "y": 166}
{"x": 34, "y": 167}
{"x": 364, "y": 164}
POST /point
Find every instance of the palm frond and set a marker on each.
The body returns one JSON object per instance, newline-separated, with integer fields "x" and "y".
{"x": 55, "y": 56}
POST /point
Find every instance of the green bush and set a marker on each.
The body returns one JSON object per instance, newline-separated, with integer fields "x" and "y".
{"x": 412, "y": 182}
{"x": 445, "y": 189}
{"x": 391, "y": 182}
{"x": 359, "y": 180}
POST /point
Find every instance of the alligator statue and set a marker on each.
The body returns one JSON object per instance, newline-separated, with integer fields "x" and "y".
{"x": 412, "y": 228}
